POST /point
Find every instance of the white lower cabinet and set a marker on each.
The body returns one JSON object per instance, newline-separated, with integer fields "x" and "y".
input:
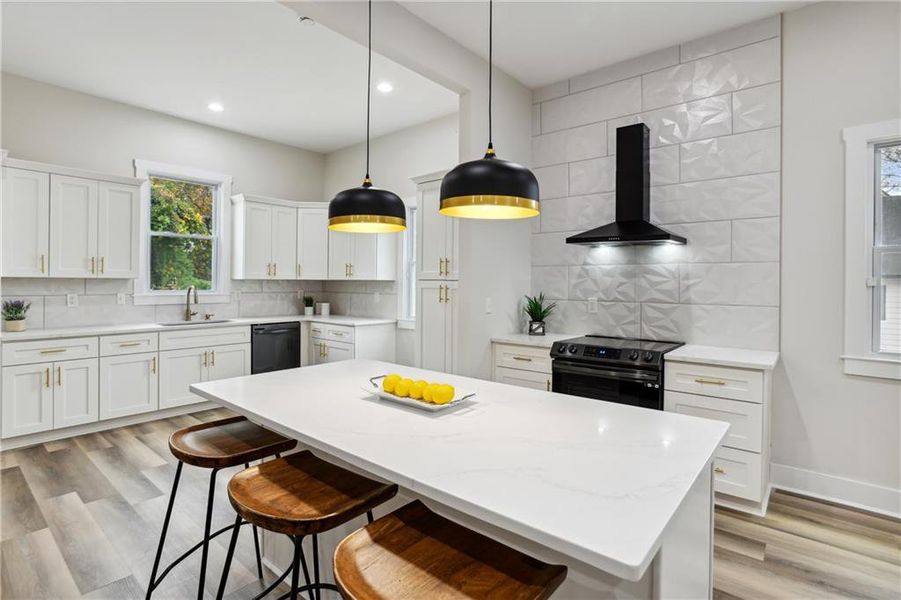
{"x": 523, "y": 365}
{"x": 330, "y": 342}
{"x": 529, "y": 379}
{"x": 179, "y": 369}
{"x": 327, "y": 351}
{"x": 129, "y": 384}
{"x": 27, "y": 399}
{"x": 436, "y": 314}
{"x": 75, "y": 394}
{"x": 229, "y": 361}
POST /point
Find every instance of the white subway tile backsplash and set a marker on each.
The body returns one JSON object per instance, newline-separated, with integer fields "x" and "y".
{"x": 608, "y": 283}
{"x": 613, "y": 318}
{"x": 568, "y": 145}
{"x": 626, "y": 69}
{"x": 552, "y": 281}
{"x": 664, "y": 165}
{"x": 592, "y": 176}
{"x": 755, "y": 239}
{"x": 731, "y": 38}
{"x": 566, "y": 214}
{"x": 553, "y": 182}
{"x": 657, "y": 283}
{"x": 744, "y": 67}
{"x": 750, "y": 284}
{"x": 696, "y": 120}
{"x": 548, "y": 92}
{"x": 756, "y": 108}
{"x": 591, "y": 106}
{"x": 752, "y": 327}
{"x": 729, "y": 156}
{"x": 41, "y": 286}
{"x": 94, "y": 310}
{"x": 270, "y": 304}
{"x": 108, "y": 286}
{"x": 707, "y": 242}
{"x": 716, "y": 199}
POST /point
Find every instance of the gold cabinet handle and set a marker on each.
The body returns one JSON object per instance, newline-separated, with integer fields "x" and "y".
{"x": 447, "y": 294}
{"x": 299, "y": 269}
{"x": 719, "y": 470}
{"x": 59, "y": 376}
{"x": 351, "y": 269}
{"x": 93, "y": 265}
{"x": 153, "y": 364}
{"x": 102, "y": 264}
{"x": 129, "y": 344}
{"x": 206, "y": 358}
{"x": 42, "y": 263}
{"x": 275, "y": 269}
{"x": 525, "y": 358}
{"x": 441, "y": 266}
{"x": 338, "y": 333}
{"x": 548, "y": 385}
{"x": 709, "y": 381}
{"x": 53, "y": 351}
{"x": 440, "y": 293}
{"x": 47, "y": 377}
{"x": 212, "y": 358}
{"x": 446, "y": 266}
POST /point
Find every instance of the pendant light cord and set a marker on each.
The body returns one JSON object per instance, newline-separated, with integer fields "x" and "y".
{"x": 367, "y": 181}
{"x": 490, "y": 69}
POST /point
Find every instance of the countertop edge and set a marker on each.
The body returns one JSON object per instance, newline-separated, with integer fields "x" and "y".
{"x": 741, "y": 358}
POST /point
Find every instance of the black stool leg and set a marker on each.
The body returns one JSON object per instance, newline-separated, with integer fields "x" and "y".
{"x": 256, "y": 542}
{"x": 295, "y": 572}
{"x": 228, "y": 558}
{"x": 159, "y": 550}
{"x": 316, "y": 563}
{"x": 206, "y": 533}
{"x": 369, "y": 516}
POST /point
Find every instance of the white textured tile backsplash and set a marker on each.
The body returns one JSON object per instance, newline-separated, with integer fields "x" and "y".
{"x": 713, "y": 109}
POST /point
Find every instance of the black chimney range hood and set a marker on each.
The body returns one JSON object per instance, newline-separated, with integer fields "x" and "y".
{"x": 632, "y": 225}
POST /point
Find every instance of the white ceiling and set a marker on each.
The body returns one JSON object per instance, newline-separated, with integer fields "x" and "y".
{"x": 544, "y": 42}
{"x": 278, "y": 79}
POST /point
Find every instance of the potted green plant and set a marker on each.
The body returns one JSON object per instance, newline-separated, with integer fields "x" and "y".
{"x": 538, "y": 311}
{"x": 308, "y": 304}
{"x": 14, "y": 312}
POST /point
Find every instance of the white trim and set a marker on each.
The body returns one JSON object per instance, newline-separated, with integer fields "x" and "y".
{"x": 222, "y": 234}
{"x": 850, "y": 492}
{"x": 858, "y": 356}
{"x": 31, "y": 165}
{"x": 406, "y": 323}
{"x": 404, "y": 256}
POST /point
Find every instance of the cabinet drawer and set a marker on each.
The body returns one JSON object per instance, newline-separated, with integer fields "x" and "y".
{"x": 737, "y": 473}
{"x": 339, "y": 333}
{"x": 529, "y": 379}
{"x": 23, "y": 353}
{"x": 745, "y": 418}
{"x": 526, "y": 358}
{"x": 722, "y": 382}
{"x": 204, "y": 336}
{"x": 128, "y": 343}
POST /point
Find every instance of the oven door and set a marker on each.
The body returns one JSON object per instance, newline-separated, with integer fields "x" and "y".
{"x": 636, "y": 387}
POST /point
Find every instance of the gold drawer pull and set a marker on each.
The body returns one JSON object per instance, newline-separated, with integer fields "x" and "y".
{"x": 59, "y": 376}
{"x": 212, "y": 358}
{"x": 153, "y": 364}
{"x": 525, "y": 358}
{"x": 719, "y": 470}
{"x": 709, "y": 381}
{"x": 129, "y": 344}
{"x": 42, "y": 263}
{"x": 93, "y": 265}
{"x": 206, "y": 356}
{"x": 47, "y": 377}
{"x": 102, "y": 264}
{"x": 341, "y": 333}
{"x": 53, "y": 351}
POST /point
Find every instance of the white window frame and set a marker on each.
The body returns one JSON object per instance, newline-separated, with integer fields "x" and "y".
{"x": 860, "y": 357}
{"x": 405, "y": 308}
{"x": 221, "y": 292}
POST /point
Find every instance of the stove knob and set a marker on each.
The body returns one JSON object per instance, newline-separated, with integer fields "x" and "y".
{"x": 648, "y": 356}
{"x": 633, "y": 355}
{"x": 561, "y": 347}
{"x": 572, "y": 348}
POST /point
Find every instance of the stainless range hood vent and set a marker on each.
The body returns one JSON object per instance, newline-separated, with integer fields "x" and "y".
{"x": 632, "y": 225}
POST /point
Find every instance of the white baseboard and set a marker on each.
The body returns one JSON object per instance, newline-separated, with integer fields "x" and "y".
{"x": 858, "y": 494}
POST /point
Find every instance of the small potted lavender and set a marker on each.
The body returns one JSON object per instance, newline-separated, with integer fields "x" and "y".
{"x": 14, "y": 312}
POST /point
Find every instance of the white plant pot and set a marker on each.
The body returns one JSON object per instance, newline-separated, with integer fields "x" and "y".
{"x": 308, "y": 311}
{"x": 324, "y": 309}
{"x": 14, "y": 325}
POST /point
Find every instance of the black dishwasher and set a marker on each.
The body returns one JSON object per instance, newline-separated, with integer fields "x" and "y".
{"x": 274, "y": 346}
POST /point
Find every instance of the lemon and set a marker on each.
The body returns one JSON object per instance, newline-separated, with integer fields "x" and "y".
{"x": 416, "y": 390}
{"x": 443, "y": 394}
{"x": 402, "y": 388}
{"x": 427, "y": 392}
{"x": 389, "y": 382}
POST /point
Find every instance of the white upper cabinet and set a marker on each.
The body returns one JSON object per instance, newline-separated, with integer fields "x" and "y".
{"x": 26, "y": 223}
{"x": 437, "y": 239}
{"x": 436, "y": 317}
{"x": 312, "y": 243}
{"x": 61, "y": 222}
{"x": 73, "y": 226}
{"x": 119, "y": 216}
{"x": 278, "y": 239}
{"x": 363, "y": 256}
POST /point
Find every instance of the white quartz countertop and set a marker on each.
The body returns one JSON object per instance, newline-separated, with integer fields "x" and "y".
{"x": 726, "y": 357}
{"x": 594, "y": 480}
{"x": 67, "y": 332}
{"x": 537, "y": 341}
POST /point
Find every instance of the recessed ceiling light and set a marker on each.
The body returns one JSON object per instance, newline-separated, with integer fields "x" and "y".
{"x": 385, "y": 87}
{"x": 215, "y": 106}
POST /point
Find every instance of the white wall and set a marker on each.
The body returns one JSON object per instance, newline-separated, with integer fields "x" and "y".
{"x": 712, "y": 107}
{"x": 52, "y": 124}
{"x": 833, "y": 434}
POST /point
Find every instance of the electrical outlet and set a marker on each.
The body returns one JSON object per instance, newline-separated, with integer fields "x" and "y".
{"x": 120, "y": 298}
{"x": 71, "y": 300}
{"x": 487, "y": 306}
{"x": 593, "y": 305}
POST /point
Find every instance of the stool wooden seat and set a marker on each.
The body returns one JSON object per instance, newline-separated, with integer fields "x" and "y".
{"x": 226, "y": 443}
{"x": 414, "y": 553}
{"x": 301, "y": 494}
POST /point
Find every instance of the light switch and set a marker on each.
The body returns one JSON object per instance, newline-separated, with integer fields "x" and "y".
{"x": 120, "y": 298}
{"x": 593, "y": 305}
{"x": 71, "y": 300}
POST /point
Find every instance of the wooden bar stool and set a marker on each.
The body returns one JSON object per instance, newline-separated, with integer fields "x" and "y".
{"x": 215, "y": 445}
{"x": 300, "y": 495}
{"x": 413, "y": 553}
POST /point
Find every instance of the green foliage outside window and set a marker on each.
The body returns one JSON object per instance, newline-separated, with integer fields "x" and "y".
{"x": 181, "y": 244}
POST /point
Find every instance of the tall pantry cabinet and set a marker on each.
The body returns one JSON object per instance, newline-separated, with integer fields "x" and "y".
{"x": 437, "y": 279}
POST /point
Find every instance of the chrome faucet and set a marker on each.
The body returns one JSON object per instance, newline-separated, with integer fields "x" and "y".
{"x": 188, "y": 312}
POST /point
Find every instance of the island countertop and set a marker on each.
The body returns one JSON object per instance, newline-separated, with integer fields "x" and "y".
{"x": 596, "y": 481}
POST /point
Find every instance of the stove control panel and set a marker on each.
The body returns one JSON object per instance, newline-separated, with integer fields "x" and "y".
{"x": 601, "y": 352}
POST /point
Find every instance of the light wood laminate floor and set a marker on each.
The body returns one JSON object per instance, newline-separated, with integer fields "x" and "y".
{"x": 81, "y": 517}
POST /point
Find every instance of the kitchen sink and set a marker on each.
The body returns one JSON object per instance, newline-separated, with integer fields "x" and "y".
{"x": 201, "y": 322}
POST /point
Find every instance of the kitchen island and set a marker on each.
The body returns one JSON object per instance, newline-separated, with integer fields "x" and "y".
{"x": 621, "y": 495}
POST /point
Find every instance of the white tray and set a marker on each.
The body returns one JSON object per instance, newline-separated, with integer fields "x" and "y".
{"x": 420, "y": 404}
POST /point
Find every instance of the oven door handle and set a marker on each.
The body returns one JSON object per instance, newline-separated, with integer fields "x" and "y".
{"x": 606, "y": 373}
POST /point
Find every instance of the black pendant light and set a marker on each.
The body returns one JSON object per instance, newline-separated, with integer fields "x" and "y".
{"x": 367, "y": 209}
{"x": 490, "y": 188}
